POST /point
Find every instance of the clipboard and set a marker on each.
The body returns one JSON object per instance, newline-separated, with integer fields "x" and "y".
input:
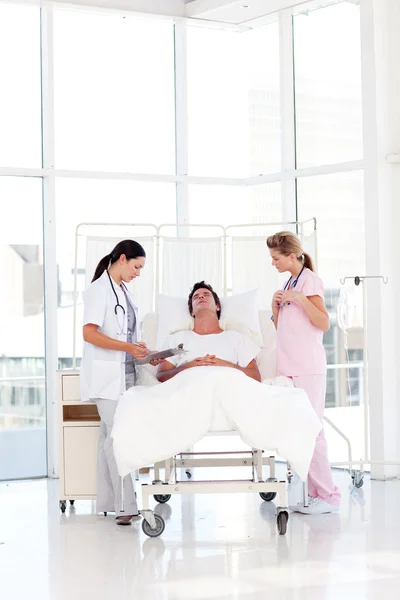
{"x": 159, "y": 355}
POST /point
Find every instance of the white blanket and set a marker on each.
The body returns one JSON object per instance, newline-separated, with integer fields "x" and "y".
{"x": 154, "y": 423}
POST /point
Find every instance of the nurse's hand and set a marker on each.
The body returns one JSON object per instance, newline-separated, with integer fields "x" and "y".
{"x": 292, "y": 296}
{"x": 138, "y": 350}
{"x": 277, "y": 299}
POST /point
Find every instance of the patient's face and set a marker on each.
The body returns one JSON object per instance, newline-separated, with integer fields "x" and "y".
{"x": 203, "y": 300}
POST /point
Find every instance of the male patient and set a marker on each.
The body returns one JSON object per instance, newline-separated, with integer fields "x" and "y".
{"x": 208, "y": 345}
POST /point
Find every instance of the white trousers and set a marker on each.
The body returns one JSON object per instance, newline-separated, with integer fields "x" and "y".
{"x": 108, "y": 479}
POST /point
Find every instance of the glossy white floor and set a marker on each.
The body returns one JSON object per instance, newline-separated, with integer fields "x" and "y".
{"x": 213, "y": 547}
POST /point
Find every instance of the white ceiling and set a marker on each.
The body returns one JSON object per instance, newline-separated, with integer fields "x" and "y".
{"x": 170, "y": 8}
{"x": 233, "y": 12}
{"x": 237, "y": 12}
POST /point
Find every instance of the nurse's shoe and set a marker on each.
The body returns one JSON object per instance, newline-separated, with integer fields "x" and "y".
{"x": 316, "y": 506}
{"x": 126, "y": 519}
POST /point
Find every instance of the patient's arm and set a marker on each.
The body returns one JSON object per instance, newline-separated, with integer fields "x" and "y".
{"x": 251, "y": 370}
{"x": 167, "y": 370}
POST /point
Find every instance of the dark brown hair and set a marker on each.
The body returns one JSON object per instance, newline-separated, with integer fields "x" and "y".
{"x": 202, "y": 285}
{"x": 130, "y": 248}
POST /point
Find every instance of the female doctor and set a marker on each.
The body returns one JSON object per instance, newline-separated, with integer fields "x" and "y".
{"x": 300, "y": 319}
{"x": 107, "y": 369}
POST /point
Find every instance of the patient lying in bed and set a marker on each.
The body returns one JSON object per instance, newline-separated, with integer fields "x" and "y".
{"x": 208, "y": 345}
{"x": 155, "y": 422}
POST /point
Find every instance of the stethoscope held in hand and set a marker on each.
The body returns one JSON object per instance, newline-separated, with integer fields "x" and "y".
{"x": 289, "y": 286}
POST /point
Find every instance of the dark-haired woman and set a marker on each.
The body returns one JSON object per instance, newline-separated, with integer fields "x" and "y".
{"x": 107, "y": 369}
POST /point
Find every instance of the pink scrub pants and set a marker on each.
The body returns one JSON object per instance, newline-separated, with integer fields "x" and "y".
{"x": 320, "y": 482}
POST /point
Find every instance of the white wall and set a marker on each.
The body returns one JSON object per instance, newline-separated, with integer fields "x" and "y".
{"x": 381, "y": 106}
{"x": 393, "y": 174}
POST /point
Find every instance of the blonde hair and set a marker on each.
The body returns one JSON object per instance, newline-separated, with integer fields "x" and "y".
{"x": 287, "y": 243}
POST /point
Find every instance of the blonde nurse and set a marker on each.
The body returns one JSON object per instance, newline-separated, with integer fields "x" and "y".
{"x": 300, "y": 319}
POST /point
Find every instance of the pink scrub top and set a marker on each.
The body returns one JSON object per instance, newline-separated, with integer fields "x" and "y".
{"x": 299, "y": 349}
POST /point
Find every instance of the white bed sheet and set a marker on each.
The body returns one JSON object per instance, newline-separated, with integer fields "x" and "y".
{"x": 153, "y": 423}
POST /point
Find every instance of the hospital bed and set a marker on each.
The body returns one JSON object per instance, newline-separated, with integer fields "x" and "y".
{"x": 178, "y": 469}
{"x": 216, "y": 254}
{"x": 153, "y": 524}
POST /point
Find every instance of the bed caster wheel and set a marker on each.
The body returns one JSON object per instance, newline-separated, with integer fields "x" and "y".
{"x": 162, "y": 498}
{"x": 105, "y": 514}
{"x": 63, "y": 505}
{"x": 281, "y": 521}
{"x": 72, "y": 502}
{"x": 188, "y": 474}
{"x": 159, "y": 528}
{"x": 268, "y": 497}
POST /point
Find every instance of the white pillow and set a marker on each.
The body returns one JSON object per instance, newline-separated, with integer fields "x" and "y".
{"x": 226, "y": 325}
{"x": 149, "y": 327}
{"x": 268, "y": 330}
{"x": 242, "y": 308}
{"x": 147, "y": 375}
{"x": 173, "y": 315}
{"x": 266, "y": 359}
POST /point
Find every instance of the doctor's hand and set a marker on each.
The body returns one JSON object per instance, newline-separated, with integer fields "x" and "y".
{"x": 138, "y": 350}
{"x": 277, "y": 299}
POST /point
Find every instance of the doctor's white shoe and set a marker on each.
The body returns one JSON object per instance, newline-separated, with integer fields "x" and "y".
{"x": 316, "y": 506}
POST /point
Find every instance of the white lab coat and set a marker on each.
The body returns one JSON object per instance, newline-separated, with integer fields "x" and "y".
{"x": 102, "y": 373}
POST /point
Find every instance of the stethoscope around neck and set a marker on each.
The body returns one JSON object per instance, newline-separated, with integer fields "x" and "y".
{"x": 289, "y": 286}
{"x": 118, "y": 308}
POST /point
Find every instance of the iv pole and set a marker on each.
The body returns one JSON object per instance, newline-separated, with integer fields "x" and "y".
{"x": 358, "y": 478}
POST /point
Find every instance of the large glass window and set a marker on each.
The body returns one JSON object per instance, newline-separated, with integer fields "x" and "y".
{"x": 328, "y": 85}
{"x": 22, "y": 366}
{"x": 106, "y": 202}
{"x": 235, "y": 205}
{"x": 337, "y": 202}
{"x": 233, "y": 101}
{"x": 114, "y": 93}
{"x": 115, "y": 111}
{"x": 20, "y": 111}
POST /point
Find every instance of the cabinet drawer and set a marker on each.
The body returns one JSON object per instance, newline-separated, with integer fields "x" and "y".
{"x": 80, "y": 458}
{"x": 70, "y": 388}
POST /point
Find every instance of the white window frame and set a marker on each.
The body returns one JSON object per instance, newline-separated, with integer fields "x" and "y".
{"x": 287, "y": 176}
